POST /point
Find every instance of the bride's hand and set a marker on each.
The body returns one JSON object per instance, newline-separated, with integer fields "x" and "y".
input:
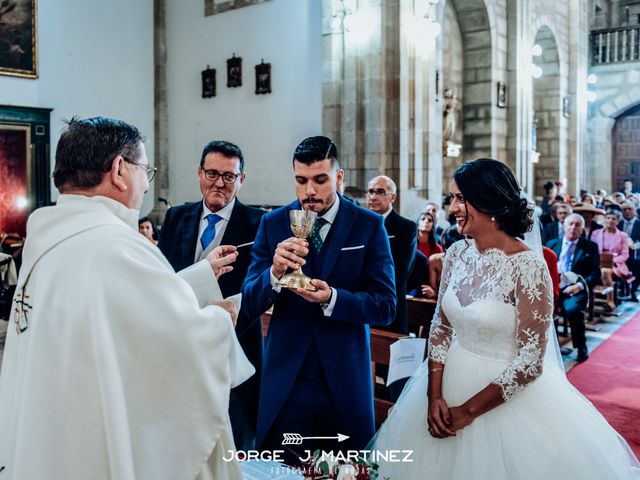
{"x": 439, "y": 418}
{"x": 460, "y": 418}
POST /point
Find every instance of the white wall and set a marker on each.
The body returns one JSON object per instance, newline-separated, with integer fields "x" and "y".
{"x": 285, "y": 33}
{"x": 95, "y": 58}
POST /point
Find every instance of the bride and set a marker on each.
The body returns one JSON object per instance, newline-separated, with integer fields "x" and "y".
{"x": 492, "y": 401}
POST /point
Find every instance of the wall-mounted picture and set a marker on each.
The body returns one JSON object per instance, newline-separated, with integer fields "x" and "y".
{"x": 214, "y": 7}
{"x": 234, "y": 71}
{"x": 263, "y": 78}
{"x": 209, "y": 82}
{"x": 501, "y": 101}
{"x": 18, "y": 38}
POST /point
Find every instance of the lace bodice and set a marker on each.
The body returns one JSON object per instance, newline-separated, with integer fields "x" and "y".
{"x": 498, "y": 306}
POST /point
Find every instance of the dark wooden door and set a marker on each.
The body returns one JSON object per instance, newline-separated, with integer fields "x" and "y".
{"x": 626, "y": 150}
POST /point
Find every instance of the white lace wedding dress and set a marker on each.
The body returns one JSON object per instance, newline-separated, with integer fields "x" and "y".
{"x": 491, "y": 325}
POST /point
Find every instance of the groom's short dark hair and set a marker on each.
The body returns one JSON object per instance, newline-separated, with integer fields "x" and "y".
{"x": 316, "y": 149}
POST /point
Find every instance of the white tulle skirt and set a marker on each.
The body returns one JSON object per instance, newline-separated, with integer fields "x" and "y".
{"x": 547, "y": 431}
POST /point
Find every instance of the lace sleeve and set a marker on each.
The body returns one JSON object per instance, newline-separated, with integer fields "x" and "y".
{"x": 534, "y": 312}
{"x": 441, "y": 332}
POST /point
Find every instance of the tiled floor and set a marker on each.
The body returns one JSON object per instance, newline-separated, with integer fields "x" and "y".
{"x": 607, "y": 327}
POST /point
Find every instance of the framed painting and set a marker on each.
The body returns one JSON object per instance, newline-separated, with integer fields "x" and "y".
{"x": 263, "y": 78}
{"x": 19, "y": 38}
{"x": 234, "y": 71}
{"x": 209, "y": 82}
{"x": 15, "y": 178}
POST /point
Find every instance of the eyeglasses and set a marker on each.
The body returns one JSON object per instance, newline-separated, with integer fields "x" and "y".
{"x": 378, "y": 191}
{"x": 227, "y": 177}
{"x": 150, "y": 170}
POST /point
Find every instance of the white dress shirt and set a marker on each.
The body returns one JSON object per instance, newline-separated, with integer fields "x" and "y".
{"x": 225, "y": 214}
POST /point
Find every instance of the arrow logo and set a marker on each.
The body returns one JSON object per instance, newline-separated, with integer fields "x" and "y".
{"x": 296, "y": 438}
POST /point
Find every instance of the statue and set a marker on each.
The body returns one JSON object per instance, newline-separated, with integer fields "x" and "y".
{"x": 449, "y": 148}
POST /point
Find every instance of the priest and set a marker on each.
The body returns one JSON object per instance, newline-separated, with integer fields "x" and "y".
{"x": 114, "y": 368}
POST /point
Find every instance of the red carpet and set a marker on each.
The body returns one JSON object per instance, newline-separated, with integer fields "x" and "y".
{"x": 611, "y": 380}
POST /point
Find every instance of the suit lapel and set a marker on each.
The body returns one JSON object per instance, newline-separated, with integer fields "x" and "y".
{"x": 235, "y": 227}
{"x": 337, "y": 236}
{"x": 190, "y": 227}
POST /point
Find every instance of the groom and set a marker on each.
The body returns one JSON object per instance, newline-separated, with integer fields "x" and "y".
{"x": 317, "y": 367}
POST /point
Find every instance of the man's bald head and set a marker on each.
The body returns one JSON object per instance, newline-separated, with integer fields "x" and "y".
{"x": 381, "y": 194}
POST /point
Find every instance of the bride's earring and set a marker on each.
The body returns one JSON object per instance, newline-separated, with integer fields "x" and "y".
{"x": 493, "y": 219}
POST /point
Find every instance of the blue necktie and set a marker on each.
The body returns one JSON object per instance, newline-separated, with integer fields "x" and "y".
{"x": 315, "y": 239}
{"x": 209, "y": 231}
{"x": 567, "y": 258}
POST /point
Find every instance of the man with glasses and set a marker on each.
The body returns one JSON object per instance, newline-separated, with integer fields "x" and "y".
{"x": 192, "y": 230}
{"x": 112, "y": 368}
{"x": 402, "y": 232}
{"x": 630, "y": 224}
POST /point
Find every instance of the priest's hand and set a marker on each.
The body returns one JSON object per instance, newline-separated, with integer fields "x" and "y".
{"x": 221, "y": 259}
{"x": 289, "y": 254}
{"x": 322, "y": 295}
{"x": 230, "y": 307}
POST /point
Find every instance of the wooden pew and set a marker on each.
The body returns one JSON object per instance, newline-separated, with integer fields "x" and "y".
{"x": 420, "y": 312}
{"x": 381, "y": 341}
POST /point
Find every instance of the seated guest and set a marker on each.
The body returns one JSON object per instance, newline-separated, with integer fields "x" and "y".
{"x": 148, "y": 229}
{"x": 614, "y": 241}
{"x": 553, "y": 230}
{"x": 588, "y": 198}
{"x": 630, "y": 224}
{"x": 578, "y": 255}
{"x": 427, "y": 243}
{"x": 434, "y": 209}
{"x": 588, "y": 213}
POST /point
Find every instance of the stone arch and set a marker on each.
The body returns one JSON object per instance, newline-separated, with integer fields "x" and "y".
{"x": 478, "y": 92}
{"x": 547, "y": 121}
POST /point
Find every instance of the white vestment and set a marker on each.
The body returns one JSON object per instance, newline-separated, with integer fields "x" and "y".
{"x": 118, "y": 373}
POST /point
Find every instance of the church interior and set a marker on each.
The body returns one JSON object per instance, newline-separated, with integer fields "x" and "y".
{"x": 407, "y": 89}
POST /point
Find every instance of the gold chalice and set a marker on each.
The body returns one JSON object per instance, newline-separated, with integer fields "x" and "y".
{"x": 301, "y": 225}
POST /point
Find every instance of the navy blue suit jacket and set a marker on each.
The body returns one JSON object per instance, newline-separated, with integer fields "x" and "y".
{"x": 355, "y": 260}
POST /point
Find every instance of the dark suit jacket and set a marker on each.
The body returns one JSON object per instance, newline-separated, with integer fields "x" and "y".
{"x": 635, "y": 231}
{"x": 551, "y": 231}
{"x": 178, "y": 240}
{"x": 355, "y": 260}
{"x": 586, "y": 259}
{"x": 403, "y": 238}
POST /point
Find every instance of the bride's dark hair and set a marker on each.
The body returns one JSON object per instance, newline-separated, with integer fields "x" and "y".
{"x": 490, "y": 187}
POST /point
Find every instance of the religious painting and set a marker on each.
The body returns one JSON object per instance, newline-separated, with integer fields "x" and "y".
{"x": 234, "y": 71}
{"x": 214, "y": 7}
{"x": 263, "y": 78}
{"x": 502, "y": 95}
{"x": 18, "y": 38}
{"x": 15, "y": 178}
{"x": 209, "y": 82}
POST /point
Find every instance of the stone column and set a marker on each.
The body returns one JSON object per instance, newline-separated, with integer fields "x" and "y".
{"x": 520, "y": 93}
{"x": 161, "y": 121}
{"x": 578, "y": 63}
